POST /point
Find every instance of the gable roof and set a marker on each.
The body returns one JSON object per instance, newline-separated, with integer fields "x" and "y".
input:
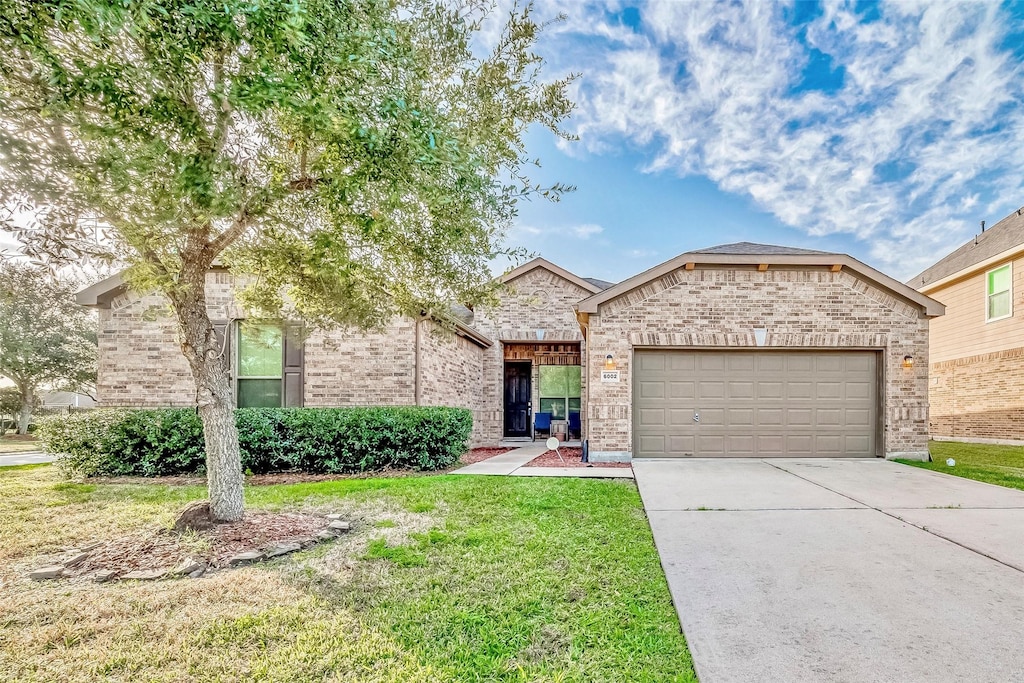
{"x": 748, "y": 248}
{"x": 750, "y": 254}
{"x": 1001, "y": 237}
{"x": 539, "y": 262}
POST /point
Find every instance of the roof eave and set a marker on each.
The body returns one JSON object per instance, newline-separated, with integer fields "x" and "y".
{"x": 541, "y": 262}
{"x": 469, "y": 333}
{"x": 929, "y": 306}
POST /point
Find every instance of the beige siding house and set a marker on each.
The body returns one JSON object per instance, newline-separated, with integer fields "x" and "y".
{"x": 976, "y": 389}
{"x": 742, "y": 350}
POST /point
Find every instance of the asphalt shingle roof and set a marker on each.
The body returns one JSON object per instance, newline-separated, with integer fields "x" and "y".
{"x": 1006, "y": 234}
{"x": 753, "y": 249}
{"x": 600, "y": 284}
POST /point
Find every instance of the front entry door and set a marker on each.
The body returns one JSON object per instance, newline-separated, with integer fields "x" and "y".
{"x": 517, "y": 399}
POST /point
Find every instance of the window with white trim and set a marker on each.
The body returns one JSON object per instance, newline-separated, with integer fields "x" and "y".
{"x": 999, "y": 295}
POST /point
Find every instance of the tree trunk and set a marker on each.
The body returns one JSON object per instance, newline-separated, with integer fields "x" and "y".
{"x": 199, "y": 343}
{"x": 25, "y": 415}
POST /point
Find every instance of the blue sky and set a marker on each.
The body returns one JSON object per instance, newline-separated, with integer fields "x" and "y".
{"x": 884, "y": 130}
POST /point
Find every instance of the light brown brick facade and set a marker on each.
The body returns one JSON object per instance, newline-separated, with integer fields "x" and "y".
{"x": 979, "y": 397}
{"x": 719, "y": 307}
{"x": 410, "y": 362}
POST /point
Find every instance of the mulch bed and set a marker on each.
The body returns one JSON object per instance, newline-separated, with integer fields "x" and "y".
{"x": 165, "y": 549}
{"x": 573, "y": 458}
{"x": 478, "y": 454}
{"x": 264, "y": 479}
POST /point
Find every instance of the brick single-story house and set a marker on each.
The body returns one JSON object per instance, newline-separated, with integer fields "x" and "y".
{"x": 976, "y": 350}
{"x": 737, "y": 350}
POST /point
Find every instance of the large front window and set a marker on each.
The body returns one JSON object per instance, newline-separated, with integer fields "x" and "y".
{"x": 999, "y": 299}
{"x": 559, "y": 390}
{"x": 260, "y": 366}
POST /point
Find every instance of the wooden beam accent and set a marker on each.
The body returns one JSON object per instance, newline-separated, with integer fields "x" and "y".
{"x": 762, "y": 267}
{"x": 690, "y": 265}
{"x": 836, "y": 267}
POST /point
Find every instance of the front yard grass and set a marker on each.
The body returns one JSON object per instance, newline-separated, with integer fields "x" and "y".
{"x": 1002, "y": 465}
{"x": 18, "y": 444}
{"x": 443, "y": 579}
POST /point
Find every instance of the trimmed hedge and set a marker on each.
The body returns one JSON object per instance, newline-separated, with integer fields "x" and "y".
{"x": 149, "y": 443}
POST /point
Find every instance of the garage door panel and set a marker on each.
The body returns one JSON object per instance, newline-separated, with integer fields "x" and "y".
{"x": 682, "y": 390}
{"x": 651, "y": 417}
{"x": 760, "y": 403}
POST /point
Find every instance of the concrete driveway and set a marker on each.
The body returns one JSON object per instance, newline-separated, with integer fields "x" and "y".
{"x": 840, "y": 570}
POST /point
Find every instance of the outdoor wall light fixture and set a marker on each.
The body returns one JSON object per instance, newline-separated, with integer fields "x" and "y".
{"x": 908, "y": 362}
{"x": 609, "y": 362}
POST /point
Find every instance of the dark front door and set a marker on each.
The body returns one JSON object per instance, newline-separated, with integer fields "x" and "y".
{"x": 517, "y": 399}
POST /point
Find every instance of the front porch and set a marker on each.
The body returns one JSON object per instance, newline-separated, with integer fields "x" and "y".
{"x": 542, "y": 392}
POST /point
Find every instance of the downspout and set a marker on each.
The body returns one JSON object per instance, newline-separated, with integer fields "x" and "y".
{"x": 417, "y": 388}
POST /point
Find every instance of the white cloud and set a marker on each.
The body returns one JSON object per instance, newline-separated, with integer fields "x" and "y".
{"x": 710, "y": 89}
{"x": 586, "y": 231}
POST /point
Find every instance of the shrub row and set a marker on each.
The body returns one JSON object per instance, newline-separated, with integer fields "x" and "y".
{"x": 112, "y": 442}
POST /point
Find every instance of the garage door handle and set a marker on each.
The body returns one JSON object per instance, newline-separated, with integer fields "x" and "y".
{"x": 696, "y": 417}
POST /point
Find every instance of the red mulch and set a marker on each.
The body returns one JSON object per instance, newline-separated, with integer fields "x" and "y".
{"x": 573, "y": 458}
{"x": 163, "y": 549}
{"x": 478, "y": 454}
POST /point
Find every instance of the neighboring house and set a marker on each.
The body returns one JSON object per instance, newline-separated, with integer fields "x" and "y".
{"x": 738, "y": 350}
{"x": 66, "y": 400}
{"x": 977, "y": 349}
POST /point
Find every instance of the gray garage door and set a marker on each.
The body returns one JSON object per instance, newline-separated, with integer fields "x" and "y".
{"x": 754, "y": 403}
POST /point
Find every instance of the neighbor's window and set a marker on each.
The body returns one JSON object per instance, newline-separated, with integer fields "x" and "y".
{"x": 559, "y": 390}
{"x": 260, "y": 366}
{"x": 999, "y": 296}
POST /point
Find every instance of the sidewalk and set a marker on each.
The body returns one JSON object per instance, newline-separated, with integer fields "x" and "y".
{"x": 26, "y": 458}
{"x": 513, "y": 464}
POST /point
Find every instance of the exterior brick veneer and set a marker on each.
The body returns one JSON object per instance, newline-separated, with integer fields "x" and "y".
{"x": 978, "y": 397}
{"x": 719, "y": 307}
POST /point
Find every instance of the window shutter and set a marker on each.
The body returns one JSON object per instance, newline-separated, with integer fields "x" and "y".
{"x": 294, "y": 352}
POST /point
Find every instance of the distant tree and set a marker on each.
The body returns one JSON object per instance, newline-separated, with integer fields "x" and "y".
{"x": 10, "y": 406}
{"x": 46, "y": 339}
{"x": 357, "y": 158}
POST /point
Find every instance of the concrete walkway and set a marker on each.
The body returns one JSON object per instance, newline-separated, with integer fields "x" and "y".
{"x": 513, "y": 464}
{"x": 839, "y": 570}
{"x": 27, "y": 458}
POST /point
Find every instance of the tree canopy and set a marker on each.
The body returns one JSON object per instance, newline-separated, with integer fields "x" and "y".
{"x": 356, "y": 159}
{"x": 46, "y": 339}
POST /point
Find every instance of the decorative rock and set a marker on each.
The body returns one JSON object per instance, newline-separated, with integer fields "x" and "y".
{"x": 281, "y": 549}
{"x": 339, "y": 526}
{"x": 76, "y": 559}
{"x": 307, "y": 542}
{"x": 104, "y": 575}
{"x": 197, "y": 573}
{"x": 245, "y": 558}
{"x": 334, "y": 516}
{"x": 326, "y": 535}
{"x": 187, "y": 566}
{"x": 196, "y": 516}
{"x": 45, "y": 573}
{"x": 144, "y": 575}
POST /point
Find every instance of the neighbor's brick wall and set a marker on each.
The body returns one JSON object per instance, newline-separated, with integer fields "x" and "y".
{"x": 536, "y": 300}
{"x": 140, "y": 359}
{"x": 451, "y": 374}
{"x": 718, "y": 307}
{"x": 980, "y": 396}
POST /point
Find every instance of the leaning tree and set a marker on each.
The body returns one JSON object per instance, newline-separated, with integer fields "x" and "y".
{"x": 357, "y": 158}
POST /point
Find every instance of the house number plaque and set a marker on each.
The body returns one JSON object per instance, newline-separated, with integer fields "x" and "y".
{"x": 609, "y": 375}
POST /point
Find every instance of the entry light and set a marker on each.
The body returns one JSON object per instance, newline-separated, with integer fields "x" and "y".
{"x": 609, "y": 362}
{"x": 908, "y": 362}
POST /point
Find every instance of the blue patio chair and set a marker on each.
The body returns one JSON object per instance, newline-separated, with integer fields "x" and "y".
{"x": 541, "y": 423}
{"x": 574, "y": 425}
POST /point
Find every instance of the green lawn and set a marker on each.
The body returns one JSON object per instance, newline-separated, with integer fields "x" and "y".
{"x": 1003, "y": 465}
{"x": 443, "y": 579}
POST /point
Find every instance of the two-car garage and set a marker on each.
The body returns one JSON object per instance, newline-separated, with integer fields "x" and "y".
{"x": 755, "y": 403}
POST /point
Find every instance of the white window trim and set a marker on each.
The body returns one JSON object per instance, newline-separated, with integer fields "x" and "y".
{"x": 1009, "y": 291}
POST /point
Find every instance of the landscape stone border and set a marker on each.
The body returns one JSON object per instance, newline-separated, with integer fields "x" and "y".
{"x": 191, "y": 567}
